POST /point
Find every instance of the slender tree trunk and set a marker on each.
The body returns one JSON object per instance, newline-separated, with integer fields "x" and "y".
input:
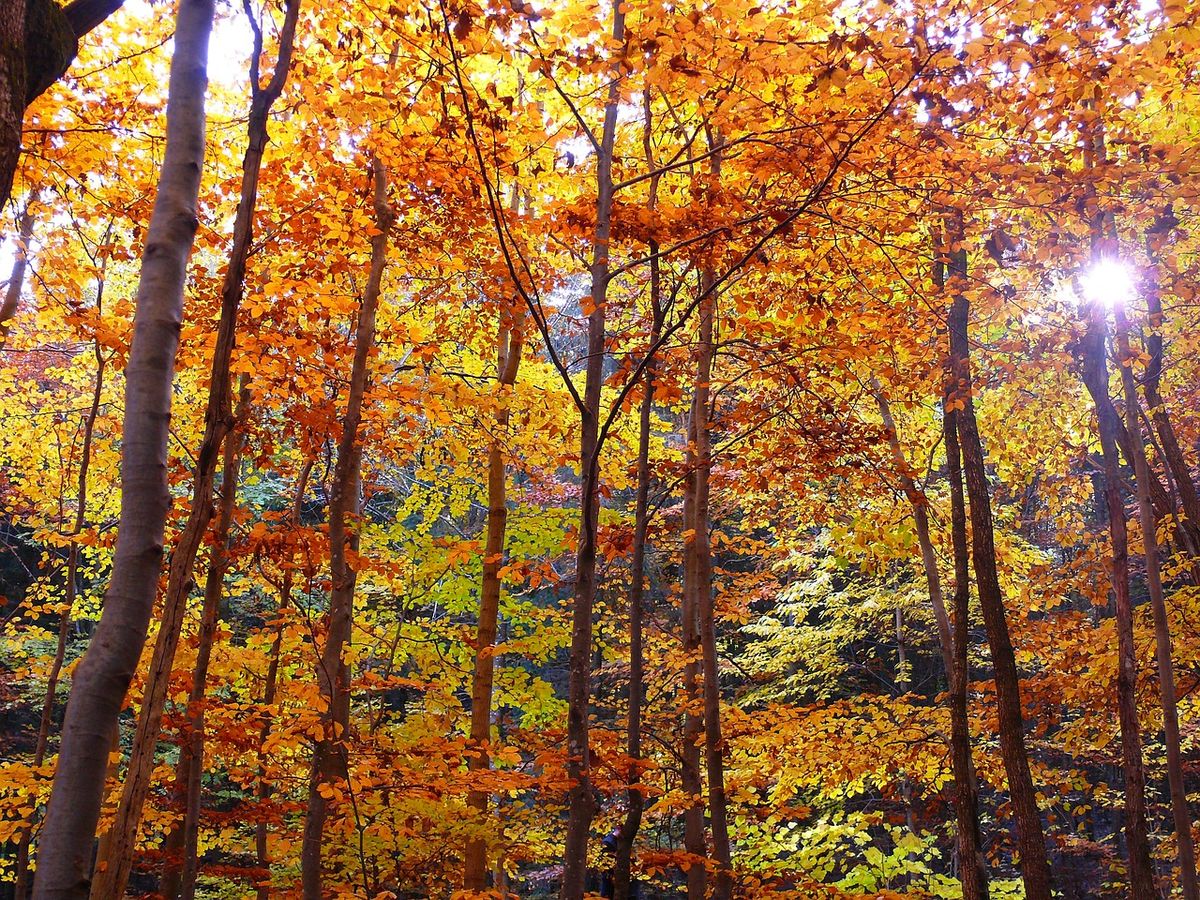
{"x": 111, "y": 879}
{"x": 1172, "y": 452}
{"x": 580, "y": 802}
{"x": 179, "y": 873}
{"x": 714, "y": 747}
{"x": 102, "y": 679}
{"x": 270, "y": 686}
{"x": 330, "y": 763}
{"x": 623, "y": 860}
{"x": 1095, "y": 378}
{"x": 973, "y": 870}
{"x": 20, "y": 887}
{"x": 11, "y": 303}
{"x": 693, "y": 702}
{"x": 1035, "y": 867}
{"x": 1162, "y": 629}
{"x": 509, "y": 344}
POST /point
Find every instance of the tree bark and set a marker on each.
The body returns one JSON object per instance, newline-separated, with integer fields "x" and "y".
{"x": 102, "y": 679}
{"x": 509, "y": 345}
{"x": 16, "y": 282}
{"x": 635, "y": 800}
{"x": 179, "y": 872}
{"x": 704, "y": 602}
{"x": 111, "y": 879}
{"x": 973, "y": 870}
{"x": 12, "y": 90}
{"x": 1035, "y": 867}
{"x": 1095, "y": 378}
{"x": 580, "y": 802}
{"x": 1186, "y": 851}
{"x": 330, "y": 763}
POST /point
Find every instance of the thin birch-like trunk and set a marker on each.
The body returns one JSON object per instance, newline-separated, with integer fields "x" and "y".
{"x": 330, "y": 763}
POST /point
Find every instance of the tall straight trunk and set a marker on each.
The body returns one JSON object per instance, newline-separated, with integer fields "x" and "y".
{"x": 20, "y": 888}
{"x": 693, "y": 721}
{"x": 1095, "y": 378}
{"x": 580, "y": 803}
{"x": 973, "y": 871}
{"x": 11, "y": 303}
{"x": 330, "y": 763}
{"x": 635, "y": 800}
{"x": 701, "y": 549}
{"x": 179, "y": 873}
{"x": 1035, "y": 866}
{"x": 509, "y": 344}
{"x": 270, "y": 686}
{"x": 111, "y": 878}
{"x": 102, "y": 678}
{"x": 1186, "y": 851}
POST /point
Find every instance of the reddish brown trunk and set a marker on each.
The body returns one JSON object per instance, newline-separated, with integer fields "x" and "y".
{"x": 1185, "y": 849}
{"x": 330, "y": 763}
{"x": 972, "y": 860}
{"x": 1095, "y": 378}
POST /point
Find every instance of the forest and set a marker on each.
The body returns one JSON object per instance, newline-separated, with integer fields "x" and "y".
{"x": 622, "y": 448}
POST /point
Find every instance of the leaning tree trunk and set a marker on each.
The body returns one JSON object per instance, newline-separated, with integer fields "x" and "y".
{"x": 509, "y": 344}
{"x": 111, "y": 879}
{"x": 580, "y": 803}
{"x": 330, "y": 762}
{"x": 20, "y": 888}
{"x": 1035, "y": 866}
{"x": 179, "y": 873}
{"x": 1162, "y": 629}
{"x": 973, "y": 864}
{"x": 1095, "y": 378}
{"x": 11, "y": 303}
{"x": 102, "y": 678}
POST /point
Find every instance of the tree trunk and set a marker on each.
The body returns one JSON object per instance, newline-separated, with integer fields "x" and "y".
{"x": 1035, "y": 867}
{"x": 111, "y": 879}
{"x": 330, "y": 763}
{"x": 973, "y": 870}
{"x": 12, "y": 90}
{"x": 271, "y": 683}
{"x": 20, "y": 887}
{"x": 636, "y": 801}
{"x": 1162, "y": 629}
{"x": 580, "y": 803}
{"x": 179, "y": 873}
{"x": 509, "y": 344}
{"x": 11, "y": 303}
{"x": 102, "y": 679}
{"x": 1176, "y": 463}
{"x": 693, "y": 723}
{"x": 704, "y": 602}
{"x": 1095, "y": 378}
